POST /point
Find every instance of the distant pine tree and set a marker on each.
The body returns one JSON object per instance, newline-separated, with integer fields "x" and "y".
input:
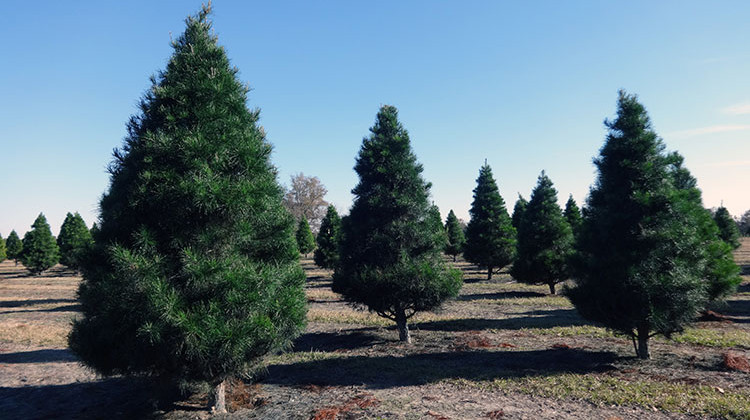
{"x": 391, "y": 249}
{"x": 518, "y": 210}
{"x": 728, "y": 231}
{"x": 40, "y": 251}
{"x": 490, "y": 236}
{"x": 305, "y": 238}
{"x": 456, "y": 238}
{"x": 327, "y": 252}
{"x": 13, "y": 246}
{"x": 573, "y": 215}
{"x": 545, "y": 239}
{"x": 3, "y": 253}
{"x": 437, "y": 226}
{"x": 74, "y": 241}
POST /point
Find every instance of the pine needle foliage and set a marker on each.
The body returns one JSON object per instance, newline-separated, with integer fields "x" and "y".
{"x": 545, "y": 239}
{"x": 728, "y": 231}
{"x": 573, "y": 215}
{"x": 74, "y": 241}
{"x": 391, "y": 249}
{"x": 40, "y": 250}
{"x": 195, "y": 273}
{"x": 456, "y": 238}
{"x": 13, "y": 246}
{"x": 3, "y": 253}
{"x": 304, "y": 237}
{"x": 641, "y": 259}
{"x": 327, "y": 252}
{"x": 518, "y": 210}
{"x": 490, "y": 235}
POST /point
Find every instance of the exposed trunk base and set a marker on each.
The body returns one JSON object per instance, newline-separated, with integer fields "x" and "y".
{"x": 489, "y": 273}
{"x": 551, "y": 288}
{"x": 643, "y": 352}
{"x": 403, "y": 327}
{"x": 219, "y": 398}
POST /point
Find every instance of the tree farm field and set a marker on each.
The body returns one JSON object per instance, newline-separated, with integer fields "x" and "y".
{"x": 500, "y": 350}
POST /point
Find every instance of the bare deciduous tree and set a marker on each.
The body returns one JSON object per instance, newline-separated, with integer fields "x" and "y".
{"x": 304, "y": 198}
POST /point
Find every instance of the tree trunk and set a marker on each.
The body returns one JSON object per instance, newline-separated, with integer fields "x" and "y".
{"x": 489, "y": 273}
{"x": 454, "y": 258}
{"x": 219, "y": 398}
{"x": 643, "y": 352}
{"x": 551, "y": 288}
{"x": 403, "y": 327}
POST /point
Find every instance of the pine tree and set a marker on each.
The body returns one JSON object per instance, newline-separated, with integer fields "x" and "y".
{"x": 573, "y": 215}
{"x": 13, "y": 246}
{"x": 305, "y": 238}
{"x": 518, "y": 210}
{"x": 40, "y": 251}
{"x": 437, "y": 226}
{"x": 545, "y": 239}
{"x": 640, "y": 263}
{"x": 390, "y": 253}
{"x": 327, "y": 252}
{"x": 490, "y": 236}
{"x": 3, "y": 253}
{"x": 195, "y": 274}
{"x": 728, "y": 230}
{"x": 456, "y": 238}
{"x": 74, "y": 241}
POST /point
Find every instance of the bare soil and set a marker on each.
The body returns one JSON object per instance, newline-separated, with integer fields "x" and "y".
{"x": 349, "y": 364}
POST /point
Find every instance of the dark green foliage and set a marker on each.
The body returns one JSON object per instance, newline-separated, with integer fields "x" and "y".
{"x": 94, "y": 230}
{"x": 74, "y": 241}
{"x": 545, "y": 239}
{"x": 490, "y": 236}
{"x": 40, "y": 251}
{"x": 327, "y": 252}
{"x": 304, "y": 236}
{"x": 3, "y": 253}
{"x": 437, "y": 226}
{"x": 728, "y": 231}
{"x": 641, "y": 260}
{"x": 456, "y": 238}
{"x": 744, "y": 224}
{"x": 573, "y": 215}
{"x": 518, "y": 210}
{"x": 195, "y": 273}
{"x": 13, "y": 246}
{"x": 391, "y": 247}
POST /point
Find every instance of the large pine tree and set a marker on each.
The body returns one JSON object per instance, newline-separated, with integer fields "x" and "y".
{"x": 327, "y": 252}
{"x": 490, "y": 235}
{"x": 641, "y": 263}
{"x": 74, "y": 241}
{"x": 545, "y": 239}
{"x": 195, "y": 273}
{"x": 456, "y": 238}
{"x": 391, "y": 250}
{"x": 40, "y": 250}
{"x": 13, "y": 246}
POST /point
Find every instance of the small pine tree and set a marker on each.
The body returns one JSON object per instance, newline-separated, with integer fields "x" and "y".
{"x": 545, "y": 240}
{"x": 3, "y": 254}
{"x": 13, "y": 246}
{"x": 728, "y": 231}
{"x": 305, "y": 238}
{"x": 437, "y": 226}
{"x": 518, "y": 210}
{"x": 573, "y": 215}
{"x": 327, "y": 252}
{"x": 194, "y": 275}
{"x": 456, "y": 238}
{"x": 490, "y": 235}
{"x": 74, "y": 241}
{"x": 40, "y": 251}
{"x": 390, "y": 253}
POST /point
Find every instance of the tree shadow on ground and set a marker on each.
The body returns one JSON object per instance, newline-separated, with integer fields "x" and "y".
{"x": 744, "y": 288}
{"x": 113, "y": 398}
{"x": 739, "y": 310}
{"x": 501, "y": 295}
{"x": 418, "y": 369}
{"x": 39, "y": 356}
{"x": 533, "y": 319}
{"x": 32, "y": 302}
{"x": 329, "y": 342}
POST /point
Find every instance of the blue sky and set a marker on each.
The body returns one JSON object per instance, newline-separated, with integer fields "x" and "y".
{"x": 525, "y": 85}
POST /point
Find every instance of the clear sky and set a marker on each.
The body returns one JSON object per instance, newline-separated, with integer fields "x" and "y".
{"x": 525, "y": 85}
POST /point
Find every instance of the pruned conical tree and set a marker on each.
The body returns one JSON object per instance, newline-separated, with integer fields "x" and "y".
{"x": 13, "y": 246}
{"x": 573, "y": 215}
{"x": 728, "y": 231}
{"x": 437, "y": 226}
{"x": 641, "y": 263}
{"x": 74, "y": 241}
{"x": 490, "y": 235}
{"x": 40, "y": 251}
{"x": 390, "y": 253}
{"x": 195, "y": 273}
{"x": 327, "y": 250}
{"x": 456, "y": 238}
{"x": 518, "y": 210}
{"x": 545, "y": 240}
{"x": 305, "y": 238}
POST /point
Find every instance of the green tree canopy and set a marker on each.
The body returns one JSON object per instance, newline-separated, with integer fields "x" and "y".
{"x": 305, "y": 238}
{"x": 13, "y": 246}
{"x": 3, "y": 253}
{"x": 456, "y": 238}
{"x": 490, "y": 235}
{"x": 518, "y": 210}
{"x": 573, "y": 215}
{"x": 74, "y": 241}
{"x": 195, "y": 273}
{"x": 327, "y": 252}
{"x": 391, "y": 250}
{"x": 545, "y": 239}
{"x": 641, "y": 264}
{"x": 40, "y": 251}
{"x": 728, "y": 231}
